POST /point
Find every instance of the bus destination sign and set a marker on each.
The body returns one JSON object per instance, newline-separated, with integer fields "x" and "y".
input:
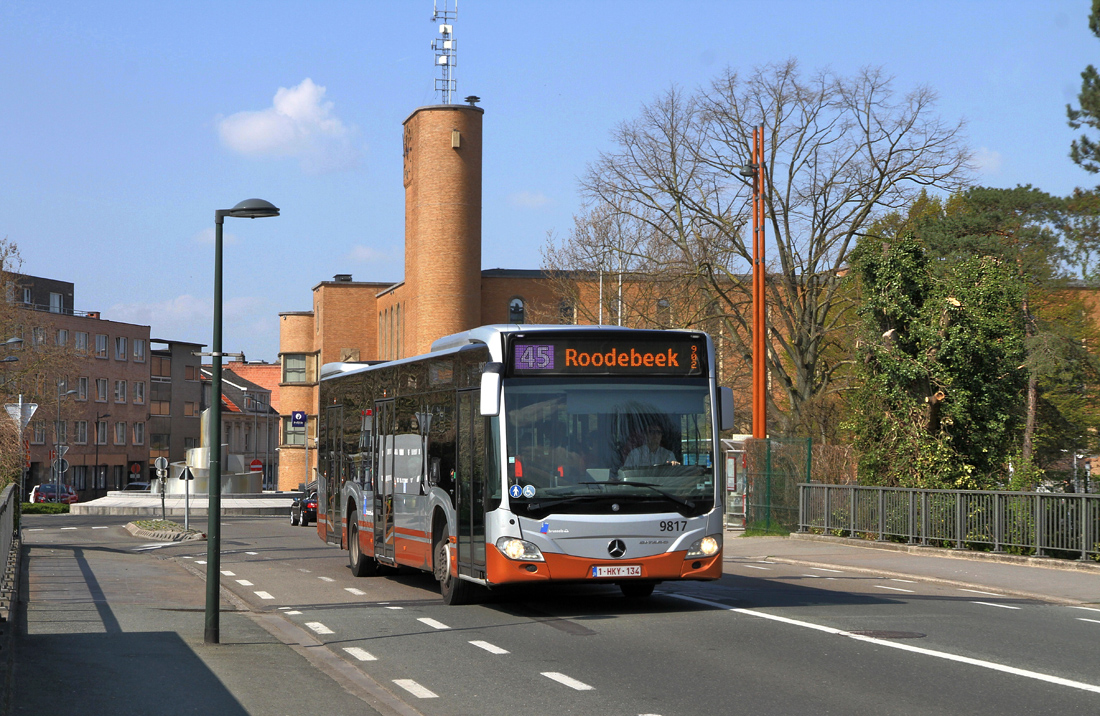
{"x": 551, "y": 355}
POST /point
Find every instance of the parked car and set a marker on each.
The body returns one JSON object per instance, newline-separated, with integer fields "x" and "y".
{"x": 137, "y": 486}
{"x": 48, "y": 492}
{"x": 304, "y": 510}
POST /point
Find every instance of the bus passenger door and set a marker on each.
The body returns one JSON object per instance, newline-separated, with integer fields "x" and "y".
{"x": 384, "y": 472}
{"x": 333, "y": 475}
{"x": 470, "y": 487}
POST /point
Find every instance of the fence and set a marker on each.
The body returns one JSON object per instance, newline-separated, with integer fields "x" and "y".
{"x": 8, "y": 506}
{"x": 1026, "y": 521}
{"x": 774, "y": 467}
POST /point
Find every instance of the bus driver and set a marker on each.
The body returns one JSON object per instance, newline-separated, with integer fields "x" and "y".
{"x": 651, "y": 452}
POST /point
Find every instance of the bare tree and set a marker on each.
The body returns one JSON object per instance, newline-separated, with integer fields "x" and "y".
{"x": 840, "y": 152}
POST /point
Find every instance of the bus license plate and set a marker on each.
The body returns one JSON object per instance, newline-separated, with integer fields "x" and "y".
{"x": 626, "y": 570}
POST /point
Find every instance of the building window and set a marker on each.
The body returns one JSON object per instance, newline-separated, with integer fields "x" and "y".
{"x": 291, "y": 434}
{"x": 139, "y": 350}
{"x": 515, "y": 310}
{"x": 567, "y": 314}
{"x": 81, "y": 429}
{"x": 190, "y": 372}
{"x": 190, "y": 443}
{"x": 120, "y": 347}
{"x": 100, "y": 345}
{"x": 80, "y": 477}
{"x": 38, "y": 336}
{"x": 80, "y": 342}
{"x": 161, "y": 367}
{"x": 664, "y": 313}
{"x": 190, "y": 408}
{"x": 120, "y": 391}
{"x": 139, "y": 433}
{"x": 118, "y": 471}
{"x": 101, "y": 390}
{"x": 57, "y": 303}
{"x": 38, "y": 432}
{"x": 294, "y": 368}
{"x": 139, "y": 392}
{"x": 160, "y": 407}
{"x": 27, "y": 296}
{"x": 82, "y": 388}
{"x": 62, "y": 337}
{"x": 120, "y": 433}
{"x": 101, "y": 433}
{"x": 158, "y": 445}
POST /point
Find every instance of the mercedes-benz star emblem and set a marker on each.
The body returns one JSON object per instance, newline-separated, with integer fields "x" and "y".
{"x": 616, "y": 548}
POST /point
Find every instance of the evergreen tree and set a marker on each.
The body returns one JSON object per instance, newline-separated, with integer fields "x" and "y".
{"x": 1084, "y": 151}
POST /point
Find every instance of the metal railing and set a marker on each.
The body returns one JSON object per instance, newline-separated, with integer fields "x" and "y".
{"x": 1041, "y": 522}
{"x": 8, "y": 507}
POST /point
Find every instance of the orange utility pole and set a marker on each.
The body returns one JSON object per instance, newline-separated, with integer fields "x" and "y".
{"x": 759, "y": 347}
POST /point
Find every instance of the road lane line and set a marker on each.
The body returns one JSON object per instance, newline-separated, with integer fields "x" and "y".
{"x": 432, "y": 623}
{"x": 293, "y": 611}
{"x": 753, "y": 566}
{"x": 992, "y": 665}
{"x": 67, "y": 528}
{"x": 35, "y": 529}
{"x": 492, "y": 648}
{"x": 567, "y": 680}
{"x": 822, "y": 569}
{"x": 395, "y": 607}
{"x": 360, "y": 654}
{"x": 907, "y": 581}
{"x": 815, "y": 576}
{"x": 319, "y": 628}
{"x": 105, "y": 527}
{"x": 1094, "y": 621}
{"x": 227, "y": 573}
{"x": 415, "y": 689}
{"x": 975, "y": 591}
{"x": 896, "y": 589}
{"x": 1087, "y": 609}
{"x": 356, "y": 592}
{"x": 244, "y": 583}
{"x": 263, "y": 595}
{"x": 252, "y": 553}
{"x": 991, "y": 604}
{"x": 326, "y": 579}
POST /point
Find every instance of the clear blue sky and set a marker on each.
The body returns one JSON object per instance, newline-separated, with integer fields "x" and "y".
{"x": 123, "y": 126}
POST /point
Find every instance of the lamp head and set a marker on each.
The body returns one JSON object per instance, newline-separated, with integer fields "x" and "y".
{"x": 253, "y": 209}
{"x": 9, "y": 359}
{"x": 12, "y": 342}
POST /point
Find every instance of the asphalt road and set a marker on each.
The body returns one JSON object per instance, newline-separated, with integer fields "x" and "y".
{"x": 768, "y": 638}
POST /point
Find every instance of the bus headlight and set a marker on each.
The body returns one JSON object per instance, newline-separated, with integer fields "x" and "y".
{"x": 519, "y": 550}
{"x": 706, "y": 547}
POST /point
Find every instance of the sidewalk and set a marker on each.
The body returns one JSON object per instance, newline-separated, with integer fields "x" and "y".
{"x": 148, "y": 504}
{"x": 1051, "y": 580}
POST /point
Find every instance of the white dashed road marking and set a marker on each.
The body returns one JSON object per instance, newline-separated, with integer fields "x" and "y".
{"x": 1002, "y": 606}
{"x": 1087, "y": 609}
{"x": 101, "y": 528}
{"x": 67, "y": 528}
{"x": 395, "y": 607}
{"x": 567, "y": 680}
{"x": 244, "y": 582}
{"x": 263, "y": 595}
{"x": 360, "y": 654}
{"x": 491, "y": 648}
{"x": 415, "y": 689}
{"x": 319, "y": 628}
{"x": 907, "y": 581}
{"x": 432, "y": 623}
{"x": 753, "y": 566}
{"x": 252, "y": 553}
{"x": 896, "y": 589}
{"x": 326, "y": 579}
{"x": 822, "y": 569}
{"x": 227, "y": 573}
{"x": 975, "y": 591}
{"x": 353, "y": 590}
{"x": 292, "y": 612}
{"x": 1094, "y": 621}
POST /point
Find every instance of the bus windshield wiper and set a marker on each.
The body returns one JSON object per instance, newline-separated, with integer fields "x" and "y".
{"x": 656, "y": 488}
{"x": 588, "y": 496}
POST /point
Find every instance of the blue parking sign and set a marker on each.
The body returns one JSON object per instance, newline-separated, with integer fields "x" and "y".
{"x": 297, "y": 418}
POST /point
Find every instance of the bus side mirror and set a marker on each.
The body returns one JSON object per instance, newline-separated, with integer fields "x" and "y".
{"x": 725, "y": 408}
{"x": 490, "y": 389}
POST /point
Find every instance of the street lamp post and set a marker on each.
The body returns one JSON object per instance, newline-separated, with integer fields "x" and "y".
{"x": 247, "y": 209}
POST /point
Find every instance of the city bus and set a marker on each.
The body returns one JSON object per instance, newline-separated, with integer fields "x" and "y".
{"x": 519, "y": 454}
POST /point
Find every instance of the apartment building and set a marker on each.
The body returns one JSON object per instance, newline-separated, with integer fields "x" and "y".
{"x": 175, "y": 397}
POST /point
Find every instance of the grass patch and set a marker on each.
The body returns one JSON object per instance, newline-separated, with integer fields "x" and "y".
{"x": 159, "y": 525}
{"x": 765, "y": 529}
{"x": 45, "y": 508}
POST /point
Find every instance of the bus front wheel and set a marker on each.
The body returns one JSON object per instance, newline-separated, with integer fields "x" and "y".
{"x": 454, "y": 590}
{"x": 636, "y": 590}
{"x": 361, "y": 565}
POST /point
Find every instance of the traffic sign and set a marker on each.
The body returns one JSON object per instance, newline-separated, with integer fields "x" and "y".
{"x": 21, "y": 412}
{"x": 297, "y": 418}
{"x": 256, "y": 465}
{"x": 61, "y": 466}
{"x": 61, "y": 450}
{"x": 161, "y": 463}
{"x": 135, "y": 468}
{"x": 187, "y": 474}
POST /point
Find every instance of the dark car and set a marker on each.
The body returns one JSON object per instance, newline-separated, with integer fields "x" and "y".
{"x": 304, "y": 510}
{"x": 137, "y": 487}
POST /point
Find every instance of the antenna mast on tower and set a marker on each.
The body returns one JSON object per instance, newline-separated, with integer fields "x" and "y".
{"x": 445, "y": 46}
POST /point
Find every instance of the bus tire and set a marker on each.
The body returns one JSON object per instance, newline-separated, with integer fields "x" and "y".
{"x": 361, "y": 565}
{"x": 454, "y": 590}
{"x": 636, "y": 590}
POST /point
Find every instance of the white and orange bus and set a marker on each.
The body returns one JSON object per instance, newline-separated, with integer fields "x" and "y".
{"x": 512, "y": 454}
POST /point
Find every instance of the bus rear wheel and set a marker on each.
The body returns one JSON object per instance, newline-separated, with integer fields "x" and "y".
{"x": 454, "y": 590}
{"x": 361, "y": 565}
{"x": 636, "y": 590}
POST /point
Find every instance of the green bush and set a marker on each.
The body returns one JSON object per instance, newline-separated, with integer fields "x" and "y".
{"x": 45, "y": 508}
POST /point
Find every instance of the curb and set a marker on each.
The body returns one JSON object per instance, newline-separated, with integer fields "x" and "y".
{"x": 164, "y": 535}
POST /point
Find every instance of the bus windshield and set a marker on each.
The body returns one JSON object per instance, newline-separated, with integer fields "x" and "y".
{"x": 607, "y": 446}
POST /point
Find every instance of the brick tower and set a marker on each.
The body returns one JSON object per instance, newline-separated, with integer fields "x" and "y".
{"x": 442, "y": 147}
